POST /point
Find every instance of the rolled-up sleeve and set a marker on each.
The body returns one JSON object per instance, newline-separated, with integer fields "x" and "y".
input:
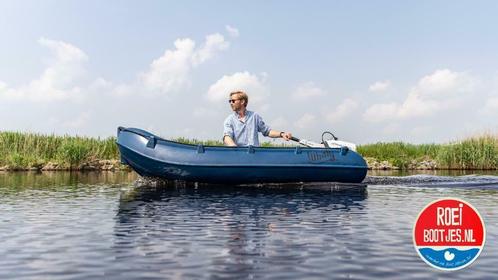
{"x": 262, "y": 127}
{"x": 228, "y": 128}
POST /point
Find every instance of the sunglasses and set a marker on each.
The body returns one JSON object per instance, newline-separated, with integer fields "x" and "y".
{"x": 232, "y": 100}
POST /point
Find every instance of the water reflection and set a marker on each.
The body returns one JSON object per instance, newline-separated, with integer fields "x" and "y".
{"x": 98, "y": 225}
{"x": 54, "y": 179}
{"x": 294, "y": 198}
{"x": 233, "y": 231}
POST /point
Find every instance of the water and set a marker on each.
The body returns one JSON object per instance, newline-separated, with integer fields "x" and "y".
{"x": 100, "y": 225}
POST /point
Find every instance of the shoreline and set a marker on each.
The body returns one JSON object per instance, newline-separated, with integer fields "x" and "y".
{"x": 94, "y": 165}
{"x": 20, "y": 151}
{"x": 116, "y": 165}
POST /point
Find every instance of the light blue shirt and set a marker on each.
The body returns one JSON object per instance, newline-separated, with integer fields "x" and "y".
{"x": 245, "y": 132}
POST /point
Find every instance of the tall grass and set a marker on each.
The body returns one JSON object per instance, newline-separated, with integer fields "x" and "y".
{"x": 21, "y": 150}
{"x": 24, "y": 150}
{"x": 472, "y": 153}
{"x": 479, "y": 152}
{"x": 197, "y": 142}
{"x": 398, "y": 153}
{"x": 220, "y": 143}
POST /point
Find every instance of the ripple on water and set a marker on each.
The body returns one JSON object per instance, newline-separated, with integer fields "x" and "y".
{"x": 178, "y": 232}
{"x": 421, "y": 180}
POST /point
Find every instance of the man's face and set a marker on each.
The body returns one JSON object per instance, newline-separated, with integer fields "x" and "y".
{"x": 235, "y": 102}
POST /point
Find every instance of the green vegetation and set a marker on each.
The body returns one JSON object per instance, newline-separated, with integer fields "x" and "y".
{"x": 197, "y": 142}
{"x": 473, "y": 153}
{"x": 480, "y": 152}
{"x": 35, "y": 151}
{"x": 398, "y": 154}
{"x": 220, "y": 143}
{"x": 28, "y": 150}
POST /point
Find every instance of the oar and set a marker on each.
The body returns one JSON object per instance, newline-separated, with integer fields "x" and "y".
{"x": 306, "y": 142}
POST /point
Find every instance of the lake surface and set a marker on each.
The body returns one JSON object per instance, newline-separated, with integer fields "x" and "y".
{"x": 65, "y": 225}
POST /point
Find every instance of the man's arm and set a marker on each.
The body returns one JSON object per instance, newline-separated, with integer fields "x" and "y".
{"x": 278, "y": 134}
{"x": 267, "y": 131}
{"x": 228, "y": 141}
{"x": 228, "y": 133}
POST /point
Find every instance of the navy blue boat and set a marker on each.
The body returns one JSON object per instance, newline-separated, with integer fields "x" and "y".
{"x": 152, "y": 156}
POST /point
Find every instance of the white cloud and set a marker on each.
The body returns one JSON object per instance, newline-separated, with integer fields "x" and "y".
{"x": 379, "y": 86}
{"x": 445, "y": 81}
{"x": 440, "y": 91}
{"x": 171, "y": 71}
{"x": 491, "y": 107}
{"x": 3, "y": 86}
{"x": 342, "y": 110}
{"x": 232, "y": 31}
{"x": 64, "y": 52}
{"x": 100, "y": 84}
{"x": 166, "y": 73}
{"x": 65, "y": 76}
{"x": 307, "y": 91}
{"x": 121, "y": 90}
{"x": 253, "y": 85}
{"x": 306, "y": 120}
{"x": 381, "y": 112}
{"x": 434, "y": 93}
{"x": 214, "y": 43}
{"x": 59, "y": 81}
{"x": 416, "y": 105}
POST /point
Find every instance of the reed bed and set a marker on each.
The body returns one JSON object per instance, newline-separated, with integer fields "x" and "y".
{"x": 474, "y": 153}
{"x": 198, "y": 142}
{"x": 30, "y": 150}
{"x": 399, "y": 154}
{"x": 24, "y": 150}
{"x": 220, "y": 143}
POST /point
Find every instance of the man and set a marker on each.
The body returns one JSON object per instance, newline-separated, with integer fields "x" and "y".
{"x": 241, "y": 128}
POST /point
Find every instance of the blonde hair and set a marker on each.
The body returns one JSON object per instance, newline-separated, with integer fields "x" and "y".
{"x": 242, "y": 96}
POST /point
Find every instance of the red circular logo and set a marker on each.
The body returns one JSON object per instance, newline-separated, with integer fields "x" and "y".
{"x": 449, "y": 234}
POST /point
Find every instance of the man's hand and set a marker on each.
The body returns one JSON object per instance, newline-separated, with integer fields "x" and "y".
{"x": 277, "y": 134}
{"x": 286, "y": 135}
{"x": 228, "y": 141}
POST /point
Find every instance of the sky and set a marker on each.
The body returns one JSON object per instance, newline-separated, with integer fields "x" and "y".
{"x": 368, "y": 71}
